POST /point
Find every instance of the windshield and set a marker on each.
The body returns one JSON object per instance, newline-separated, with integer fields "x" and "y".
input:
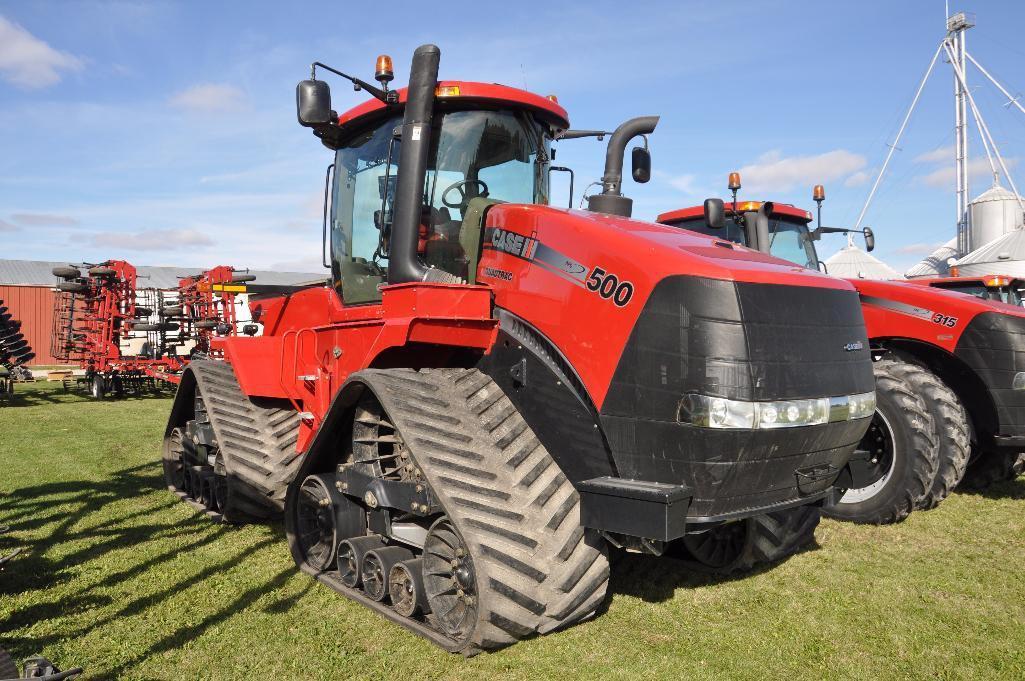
{"x": 787, "y": 240}
{"x": 498, "y": 155}
{"x": 1012, "y": 295}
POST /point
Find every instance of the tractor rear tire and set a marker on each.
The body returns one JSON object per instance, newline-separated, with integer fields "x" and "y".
{"x": 953, "y": 439}
{"x": 751, "y": 543}
{"x": 991, "y": 467}
{"x": 895, "y": 465}
{"x": 8, "y": 669}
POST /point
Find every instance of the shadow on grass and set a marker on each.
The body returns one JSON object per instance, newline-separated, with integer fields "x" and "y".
{"x": 62, "y": 512}
{"x": 654, "y": 579}
{"x": 1010, "y": 489}
{"x": 34, "y": 395}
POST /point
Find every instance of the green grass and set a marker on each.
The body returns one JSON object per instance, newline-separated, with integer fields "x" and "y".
{"x": 124, "y": 580}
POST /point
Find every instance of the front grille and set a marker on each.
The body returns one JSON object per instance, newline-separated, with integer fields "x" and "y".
{"x": 741, "y": 341}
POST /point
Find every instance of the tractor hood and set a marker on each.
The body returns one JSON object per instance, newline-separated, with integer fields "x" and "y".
{"x": 661, "y": 250}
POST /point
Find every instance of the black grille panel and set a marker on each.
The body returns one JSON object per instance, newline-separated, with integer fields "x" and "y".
{"x": 741, "y": 341}
{"x": 994, "y": 346}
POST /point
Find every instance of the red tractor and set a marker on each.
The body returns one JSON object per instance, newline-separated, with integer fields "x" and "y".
{"x": 491, "y": 393}
{"x": 94, "y": 314}
{"x": 950, "y": 369}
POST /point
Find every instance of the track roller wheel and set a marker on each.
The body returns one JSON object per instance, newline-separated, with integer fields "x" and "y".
{"x": 895, "y": 465}
{"x": 350, "y": 558}
{"x": 406, "y": 588}
{"x": 450, "y": 582}
{"x": 376, "y": 569}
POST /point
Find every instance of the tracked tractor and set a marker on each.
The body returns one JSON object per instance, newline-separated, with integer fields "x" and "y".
{"x": 950, "y": 369}
{"x": 490, "y": 394}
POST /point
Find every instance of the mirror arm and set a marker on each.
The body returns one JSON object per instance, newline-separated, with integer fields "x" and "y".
{"x": 386, "y": 96}
{"x": 577, "y": 134}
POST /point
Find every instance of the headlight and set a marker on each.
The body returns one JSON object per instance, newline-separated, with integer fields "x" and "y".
{"x": 719, "y": 412}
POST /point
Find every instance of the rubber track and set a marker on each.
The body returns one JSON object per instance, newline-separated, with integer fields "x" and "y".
{"x": 257, "y": 441}
{"x": 539, "y": 569}
{"x": 953, "y": 440}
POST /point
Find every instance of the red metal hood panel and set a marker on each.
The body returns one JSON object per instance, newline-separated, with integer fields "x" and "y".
{"x": 899, "y": 309}
{"x": 551, "y": 267}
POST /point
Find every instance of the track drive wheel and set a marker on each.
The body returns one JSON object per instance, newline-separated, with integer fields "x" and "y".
{"x": 896, "y": 462}
{"x": 747, "y": 544}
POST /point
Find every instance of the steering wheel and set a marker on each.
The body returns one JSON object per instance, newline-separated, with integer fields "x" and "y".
{"x": 460, "y": 186}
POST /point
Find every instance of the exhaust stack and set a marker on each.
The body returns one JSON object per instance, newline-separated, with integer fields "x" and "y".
{"x": 611, "y": 199}
{"x": 403, "y": 263}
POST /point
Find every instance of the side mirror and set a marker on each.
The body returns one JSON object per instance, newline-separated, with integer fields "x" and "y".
{"x": 870, "y": 239}
{"x": 313, "y": 103}
{"x": 715, "y": 214}
{"x": 641, "y": 160}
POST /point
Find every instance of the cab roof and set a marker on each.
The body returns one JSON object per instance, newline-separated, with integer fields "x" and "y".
{"x": 782, "y": 209}
{"x": 461, "y": 90}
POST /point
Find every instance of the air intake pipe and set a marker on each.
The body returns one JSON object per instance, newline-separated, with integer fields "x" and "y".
{"x": 611, "y": 199}
{"x": 403, "y": 263}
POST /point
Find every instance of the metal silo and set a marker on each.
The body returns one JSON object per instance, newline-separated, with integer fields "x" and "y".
{"x": 995, "y": 212}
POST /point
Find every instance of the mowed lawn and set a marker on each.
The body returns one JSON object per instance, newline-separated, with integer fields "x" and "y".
{"x": 120, "y": 578}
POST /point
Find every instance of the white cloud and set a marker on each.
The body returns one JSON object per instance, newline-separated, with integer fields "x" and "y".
{"x": 151, "y": 240}
{"x": 685, "y": 183}
{"x": 27, "y": 61}
{"x": 857, "y": 179}
{"x": 944, "y": 177}
{"x": 775, "y": 173}
{"x": 210, "y": 98}
{"x": 936, "y": 155}
{"x": 7, "y": 227}
{"x": 44, "y": 220}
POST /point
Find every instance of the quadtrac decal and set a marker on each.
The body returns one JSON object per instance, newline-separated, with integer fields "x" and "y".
{"x": 604, "y": 283}
{"x": 920, "y": 312}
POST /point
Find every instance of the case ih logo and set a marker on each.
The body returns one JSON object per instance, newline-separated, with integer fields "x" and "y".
{"x": 854, "y": 347}
{"x": 514, "y": 244}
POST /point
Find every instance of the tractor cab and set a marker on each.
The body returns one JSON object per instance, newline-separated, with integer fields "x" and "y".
{"x": 998, "y": 287}
{"x": 779, "y": 229}
{"x": 485, "y": 144}
{"x": 789, "y": 235}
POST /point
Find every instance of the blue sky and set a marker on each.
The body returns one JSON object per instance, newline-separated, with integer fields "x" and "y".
{"x": 165, "y": 133}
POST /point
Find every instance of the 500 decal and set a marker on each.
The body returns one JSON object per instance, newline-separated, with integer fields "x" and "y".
{"x": 608, "y": 286}
{"x": 944, "y": 320}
